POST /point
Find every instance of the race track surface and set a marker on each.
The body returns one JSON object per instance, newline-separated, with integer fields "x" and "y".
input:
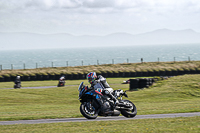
{"x": 152, "y": 116}
{"x": 39, "y": 87}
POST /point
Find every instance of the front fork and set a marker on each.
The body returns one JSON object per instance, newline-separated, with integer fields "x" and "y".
{"x": 89, "y": 105}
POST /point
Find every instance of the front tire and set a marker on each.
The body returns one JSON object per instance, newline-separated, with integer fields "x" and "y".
{"x": 88, "y": 112}
{"x": 129, "y": 113}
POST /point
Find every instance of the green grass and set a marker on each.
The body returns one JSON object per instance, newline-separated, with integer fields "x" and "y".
{"x": 40, "y": 83}
{"x": 176, "y": 95}
{"x": 169, "y": 125}
{"x": 55, "y": 82}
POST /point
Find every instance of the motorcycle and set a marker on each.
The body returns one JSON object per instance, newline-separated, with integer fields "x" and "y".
{"x": 17, "y": 85}
{"x": 90, "y": 108}
{"x": 61, "y": 82}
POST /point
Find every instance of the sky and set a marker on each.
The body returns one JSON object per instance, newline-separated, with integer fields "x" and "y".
{"x": 98, "y": 17}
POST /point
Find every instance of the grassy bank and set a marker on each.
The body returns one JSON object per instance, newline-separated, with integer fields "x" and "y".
{"x": 176, "y": 95}
{"x": 173, "y": 125}
{"x": 107, "y": 68}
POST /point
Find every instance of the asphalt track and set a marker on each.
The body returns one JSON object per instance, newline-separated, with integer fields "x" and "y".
{"x": 152, "y": 116}
{"x": 39, "y": 87}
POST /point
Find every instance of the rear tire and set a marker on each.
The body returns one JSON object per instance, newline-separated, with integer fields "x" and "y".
{"x": 88, "y": 113}
{"x": 129, "y": 113}
{"x": 17, "y": 86}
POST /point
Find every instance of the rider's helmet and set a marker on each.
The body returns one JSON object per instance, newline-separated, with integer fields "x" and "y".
{"x": 91, "y": 77}
{"x": 18, "y": 77}
{"x": 62, "y": 78}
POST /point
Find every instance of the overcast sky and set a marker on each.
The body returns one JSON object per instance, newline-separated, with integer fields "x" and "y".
{"x": 98, "y": 17}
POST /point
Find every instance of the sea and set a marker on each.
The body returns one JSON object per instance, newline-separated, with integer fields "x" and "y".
{"x": 65, "y": 57}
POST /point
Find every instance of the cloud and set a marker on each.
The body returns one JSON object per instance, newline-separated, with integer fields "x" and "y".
{"x": 50, "y": 4}
{"x": 99, "y": 5}
{"x": 93, "y": 16}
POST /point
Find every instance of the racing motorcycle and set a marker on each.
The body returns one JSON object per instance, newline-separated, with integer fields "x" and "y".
{"x": 17, "y": 85}
{"x": 90, "y": 108}
{"x": 61, "y": 82}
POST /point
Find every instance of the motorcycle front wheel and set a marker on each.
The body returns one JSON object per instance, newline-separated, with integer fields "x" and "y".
{"x": 88, "y": 111}
{"x": 129, "y": 113}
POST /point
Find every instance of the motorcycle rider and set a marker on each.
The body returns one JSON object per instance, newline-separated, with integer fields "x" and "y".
{"x": 62, "y": 77}
{"x": 18, "y": 81}
{"x": 62, "y": 80}
{"x": 99, "y": 83}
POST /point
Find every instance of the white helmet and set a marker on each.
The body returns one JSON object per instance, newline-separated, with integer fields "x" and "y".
{"x": 18, "y": 77}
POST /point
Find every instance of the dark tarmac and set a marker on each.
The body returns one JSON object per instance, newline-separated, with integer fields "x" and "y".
{"x": 114, "y": 118}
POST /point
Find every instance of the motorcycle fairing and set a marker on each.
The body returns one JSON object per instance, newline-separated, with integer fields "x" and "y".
{"x": 82, "y": 91}
{"x": 92, "y": 92}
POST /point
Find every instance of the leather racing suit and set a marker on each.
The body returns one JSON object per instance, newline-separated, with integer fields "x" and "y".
{"x": 101, "y": 85}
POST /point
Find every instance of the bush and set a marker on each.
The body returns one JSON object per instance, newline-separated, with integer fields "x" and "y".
{"x": 74, "y": 73}
{"x": 97, "y": 72}
{"x": 57, "y": 73}
{"x": 186, "y": 69}
{"x": 51, "y": 73}
{"x": 6, "y": 75}
{"x": 168, "y": 69}
{"x": 25, "y": 74}
{"x": 192, "y": 69}
{"x": 173, "y": 69}
{"x": 13, "y": 75}
{"x": 180, "y": 69}
{"x": 32, "y": 74}
{"x": 150, "y": 70}
{"x": 156, "y": 69}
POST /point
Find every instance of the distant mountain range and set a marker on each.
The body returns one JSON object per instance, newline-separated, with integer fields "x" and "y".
{"x": 22, "y": 40}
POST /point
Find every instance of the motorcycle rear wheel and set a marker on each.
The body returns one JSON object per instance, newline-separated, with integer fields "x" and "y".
{"x": 17, "y": 86}
{"x": 129, "y": 113}
{"x": 88, "y": 113}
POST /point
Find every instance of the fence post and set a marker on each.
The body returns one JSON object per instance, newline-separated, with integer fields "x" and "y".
{"x": 11, "y": 66}
{"x": 127, "y": 60}
{"x": 67, "y": 63}
{"x": 141, "y": 60}
{"x": 188, "y": 58}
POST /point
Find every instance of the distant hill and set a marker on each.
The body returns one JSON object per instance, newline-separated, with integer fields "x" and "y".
{"x": 24, "y": 40}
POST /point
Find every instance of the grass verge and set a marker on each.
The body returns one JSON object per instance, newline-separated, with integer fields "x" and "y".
{"x": 176, "y": 95}
{"x": 170, "y": 125}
